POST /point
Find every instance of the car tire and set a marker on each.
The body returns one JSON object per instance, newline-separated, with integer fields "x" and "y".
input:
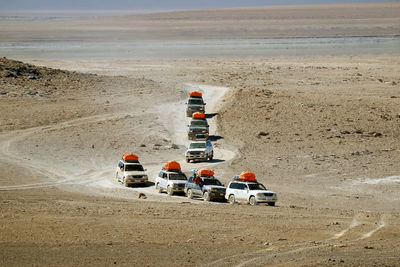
{"x": 231, "y": 199}
{"x": 170, "y": 192}
{"x": 190, "y": 194}
{"x": 158, "y": 188}
{"x": 252, "y": 201}
{"x": 271, "y": 203}
{"x": 206, "y": 196}
{"x": 187, "y": 160}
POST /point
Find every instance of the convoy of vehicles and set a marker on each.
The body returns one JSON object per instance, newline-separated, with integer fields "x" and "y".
{"x": 130, "y": 171}
{"x": 202, "y": 183}
{"x": 199, "y": 151}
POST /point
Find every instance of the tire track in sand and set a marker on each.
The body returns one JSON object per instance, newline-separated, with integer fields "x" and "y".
{"x": 273, "y": 252}
{"x": 98, "y": 181}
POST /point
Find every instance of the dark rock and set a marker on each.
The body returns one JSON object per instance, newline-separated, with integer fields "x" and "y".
{"x": 11, "y": 74}
{"x": 374, "y": 134}
{"x": 359, "y": 131}
{"x": 142, "y": 145}
{"x": 174, "y": 146}
{"x": 262, "y": 134}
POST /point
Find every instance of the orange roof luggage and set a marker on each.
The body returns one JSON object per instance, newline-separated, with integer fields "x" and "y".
{"x": 203, "y": 172}
{"x": 172, "y": 165}
{"x": 195, "y": 94}
{"x": 247, "y": 176}
{"x": 199, "y": 115}
{"x": 130, "y": 157}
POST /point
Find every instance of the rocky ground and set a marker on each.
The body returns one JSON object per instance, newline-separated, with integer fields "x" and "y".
{"x": 322, "y": 134}
{"x": 320, "y": 131}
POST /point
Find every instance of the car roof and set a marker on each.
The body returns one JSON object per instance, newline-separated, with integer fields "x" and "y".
{"x": 244, "y": 182}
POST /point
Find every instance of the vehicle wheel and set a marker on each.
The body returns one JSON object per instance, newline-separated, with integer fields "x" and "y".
{"x": 253, "y": 201}
{"x": 158, "y": 188}
{"x": 169, "y": 191}
{"x": 271, "y": 203}
{"x": 231, "y": 199}
{"x": 126, "y": 183}
{"x": 206, "y": 196}
{"x": 187, "y": 160}
{"x": 212, "y": 156}
{"x": 190, "y": 194}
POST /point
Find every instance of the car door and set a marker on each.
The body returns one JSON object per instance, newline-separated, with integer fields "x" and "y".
{"x": 242, "y": 192}
{"x": 120, "y": 170}
{"x": 196, "y": 189}
{"x": 208, "y": 147}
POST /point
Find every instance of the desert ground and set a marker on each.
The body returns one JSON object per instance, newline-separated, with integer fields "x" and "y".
{"x": 322, "y": 131}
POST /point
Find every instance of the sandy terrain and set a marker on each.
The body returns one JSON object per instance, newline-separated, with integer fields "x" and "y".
{"x": 322, "y": 132}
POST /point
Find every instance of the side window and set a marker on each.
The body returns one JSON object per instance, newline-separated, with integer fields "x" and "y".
{"x": 208, "y": 143}
{"x": 165, "y": 175}
{"x": 241, "y": 186}
{"x": 233, "y": 185}
{"x": 160, "y": 174}
{"x": 191, "y": 179}
{"x": 120, "y": 164}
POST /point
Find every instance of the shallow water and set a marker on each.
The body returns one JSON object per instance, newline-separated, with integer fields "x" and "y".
{"x": 298, "y": 47}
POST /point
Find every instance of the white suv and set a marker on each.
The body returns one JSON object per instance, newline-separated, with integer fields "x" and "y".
{"x": 170, "y": 181}
{"x": 130, "y": 172}
{"x": 200, "y": 150}
{"x": 249, "y": 192}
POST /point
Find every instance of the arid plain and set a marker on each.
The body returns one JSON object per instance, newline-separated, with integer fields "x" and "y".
{"x": 322, "y": 131}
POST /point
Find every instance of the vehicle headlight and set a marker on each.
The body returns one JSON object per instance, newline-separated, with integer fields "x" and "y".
{"x": 172, "y": 184}
{"x": 189, "y": 108}
{"x": 145, "y": 176}
{"x": 190, "y": 131}
{"x": 201, "y": 108}
{"x": 202, "y": 153}
{"x": 204, "y": 131}
{"x": 213, "y": 190}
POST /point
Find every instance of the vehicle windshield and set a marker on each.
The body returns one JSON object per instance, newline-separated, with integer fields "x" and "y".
{"x": 195, "y": 101}
{"x": 256, "y": 187}
{"x": 197, "y": 145}
{"x": 198, "y": 123}
{"x": 135, "y": 167}
{"x": 211, "y": 182}
{"x": 177, "y": 176}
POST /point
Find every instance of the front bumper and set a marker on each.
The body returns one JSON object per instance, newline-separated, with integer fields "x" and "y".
{"x": 266, "y": 199}
{"x": 196, "y": 157}
{"x": 217, "y": 195}
{"x": 137, "y": 180}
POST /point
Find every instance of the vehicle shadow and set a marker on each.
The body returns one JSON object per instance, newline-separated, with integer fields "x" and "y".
{"x": 148, "y": 184}
{"x": 214, "y": 138}
{"x": 211, "y": 115}
{"x": 211, "y": 161}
